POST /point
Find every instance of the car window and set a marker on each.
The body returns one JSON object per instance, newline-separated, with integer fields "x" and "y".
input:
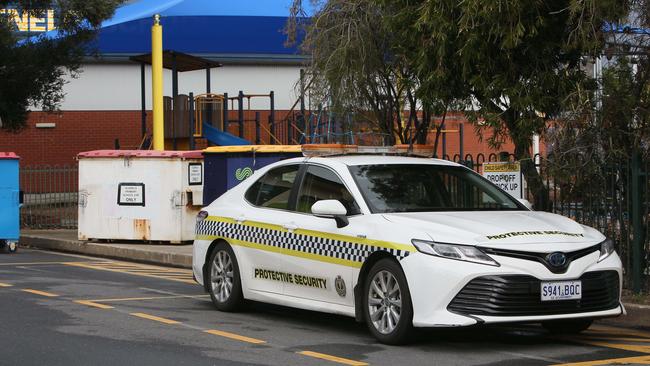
{"x": 274, "y": 188}
{"x": 423, "y": 187}
{"x": 323, "y": 184}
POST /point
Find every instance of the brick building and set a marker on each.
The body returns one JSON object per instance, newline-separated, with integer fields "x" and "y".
{"x": 102, "y": 107}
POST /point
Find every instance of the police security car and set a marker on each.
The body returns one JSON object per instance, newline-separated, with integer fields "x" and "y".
{"x": 401, "y": 242}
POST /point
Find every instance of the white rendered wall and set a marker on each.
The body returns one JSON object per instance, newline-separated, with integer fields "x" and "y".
{"x": 117, "y": 86}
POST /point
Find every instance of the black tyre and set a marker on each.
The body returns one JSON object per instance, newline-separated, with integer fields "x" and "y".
{"x": 569, "y": 326}
{"x": 224, "y": 282}
{"x": 387, "y": 303}
{"x": 8, "y": 247}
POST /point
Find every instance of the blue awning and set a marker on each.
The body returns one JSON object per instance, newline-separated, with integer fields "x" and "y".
{"x": 248, "y": 29}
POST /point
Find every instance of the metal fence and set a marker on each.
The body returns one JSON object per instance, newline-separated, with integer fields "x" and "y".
{"x": 50, "y": 197}
{"x": 609, "y": 196}
{"x": 612, "y": 197}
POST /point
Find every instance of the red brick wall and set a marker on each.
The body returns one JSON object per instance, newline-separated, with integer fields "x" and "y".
{"x": 75, "y": 131}
{"x": 78, "y": 131}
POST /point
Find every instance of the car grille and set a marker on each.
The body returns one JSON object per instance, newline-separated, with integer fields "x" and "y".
{"x": 519, "y": 295}
{"x": 542, "y": 257}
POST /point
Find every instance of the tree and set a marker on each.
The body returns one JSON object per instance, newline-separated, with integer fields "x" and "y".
{"x": 613, "y": 123}
{"x": 513, "y": 63}
{"x": 519, "y": 60}
{"x": 32, "y": 71}
{"x": 358, "y": 67}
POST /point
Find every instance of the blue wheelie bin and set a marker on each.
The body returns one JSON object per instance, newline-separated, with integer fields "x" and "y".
{"x": 227, "y": 166}
{"x": 10, "y": 199}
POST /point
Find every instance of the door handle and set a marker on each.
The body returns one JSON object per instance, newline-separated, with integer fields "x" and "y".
{"x": 240, "y": 219}
{"x": 291, "y": 227}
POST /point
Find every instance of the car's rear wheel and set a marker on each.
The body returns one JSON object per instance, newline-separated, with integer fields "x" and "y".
{"x": 387, "y": 303}
{"x": 224, "y": 282}
{"x": 8, "y": 246}
{"x": 569, "y": 326}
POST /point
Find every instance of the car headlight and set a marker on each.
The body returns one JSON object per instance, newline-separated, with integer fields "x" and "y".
{"x": 606, "y": 249}
{"x": 465, "y": 253}
{"x": 202, "y": 215}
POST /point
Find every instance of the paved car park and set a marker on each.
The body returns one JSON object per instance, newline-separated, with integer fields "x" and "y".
{"x": 62, "y": 309}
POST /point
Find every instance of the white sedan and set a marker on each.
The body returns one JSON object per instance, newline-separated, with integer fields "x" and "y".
{"x": 401, "y": 242}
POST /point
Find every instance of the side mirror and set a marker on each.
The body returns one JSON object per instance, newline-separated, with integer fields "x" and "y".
{"x": 526, "y": 203}
{"x": 332, "y": 209}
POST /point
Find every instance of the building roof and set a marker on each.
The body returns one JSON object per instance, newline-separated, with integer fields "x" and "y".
{"x": 235, "y": 31}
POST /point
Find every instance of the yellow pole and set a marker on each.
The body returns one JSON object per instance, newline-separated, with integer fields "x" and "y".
{"x": 157, "y": 84}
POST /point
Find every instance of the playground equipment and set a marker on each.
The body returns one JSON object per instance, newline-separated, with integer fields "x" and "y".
{"x": 139, "y": 195}
{"x": 9, "y": 202}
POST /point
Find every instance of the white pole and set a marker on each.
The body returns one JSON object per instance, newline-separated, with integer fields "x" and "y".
{"x": 536, "y": 151}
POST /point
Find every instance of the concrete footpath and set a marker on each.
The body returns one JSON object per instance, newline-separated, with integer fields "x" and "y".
{"x": 181, "y": 256}
{"x": 66, "y": 241}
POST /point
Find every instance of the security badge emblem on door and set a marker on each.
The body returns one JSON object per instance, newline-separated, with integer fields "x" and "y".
{"x": 339, "y": 285}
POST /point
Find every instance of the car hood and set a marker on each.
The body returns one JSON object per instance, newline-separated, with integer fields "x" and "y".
{"x": 500, "y": 229}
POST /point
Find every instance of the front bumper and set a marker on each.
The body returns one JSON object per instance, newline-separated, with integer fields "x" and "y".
{"x": 435, "y": 283}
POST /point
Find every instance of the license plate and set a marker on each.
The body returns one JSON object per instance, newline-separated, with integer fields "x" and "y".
{"x": 561, "y": 290}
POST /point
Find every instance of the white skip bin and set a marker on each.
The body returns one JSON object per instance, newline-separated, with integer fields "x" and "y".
{"x": 139, "y": 195}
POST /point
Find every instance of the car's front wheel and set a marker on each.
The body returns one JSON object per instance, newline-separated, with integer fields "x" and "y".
{"x": 387, "y": 303}
{"x": 224, "y": 280}
{"x": 569, "y": 326}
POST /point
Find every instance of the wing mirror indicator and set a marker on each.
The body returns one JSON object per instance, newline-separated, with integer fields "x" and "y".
{"x": 332, "y": 209}
{"x": 202, "y": 215}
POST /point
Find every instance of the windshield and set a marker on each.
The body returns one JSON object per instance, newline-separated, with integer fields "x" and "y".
{"x": 423, "y": 187}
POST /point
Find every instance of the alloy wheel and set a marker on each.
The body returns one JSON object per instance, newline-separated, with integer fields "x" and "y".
{"x": 222, "y": 276}
{"x": 384, "y": 302}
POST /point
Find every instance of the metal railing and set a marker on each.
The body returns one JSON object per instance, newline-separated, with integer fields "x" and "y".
{"x": 50, "y": 197}
{"x": 604, "y": 197}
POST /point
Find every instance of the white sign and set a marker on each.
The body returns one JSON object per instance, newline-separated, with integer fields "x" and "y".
{"x": 130, "y": 194}
{"x": 506, "y": 176}
{"x": 195, "y": 174}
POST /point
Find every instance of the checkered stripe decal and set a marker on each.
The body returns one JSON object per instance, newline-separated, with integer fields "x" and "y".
{"x": 326, "y": 247}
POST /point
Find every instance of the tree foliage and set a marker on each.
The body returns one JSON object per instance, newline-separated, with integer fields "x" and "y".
{"x": 359, "y": 67}
{"x": 511, "y": 64}
{"x": 519, "y": 60}
{"x": 32, "y": 71}
{"x": 614, "y": 122}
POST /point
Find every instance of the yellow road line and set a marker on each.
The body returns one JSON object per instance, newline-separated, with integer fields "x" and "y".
{"x": 149, "y": 298}
{"x": 37, "y": 292}
{"x": 5, "y": 285}
{"x": 84, "y": 265}
{"x": 600, "y": 329}
{"x": 605, "y": 337}
{"x": 30, "y": 263}
{"x": 234, "y": 336}
{"x": 642, "y": 360}
{"x": 155, "y": 318}
{"x": 327, "y": 357}
{"x": 93, "y": 304}
{"x": 626, "y": 347}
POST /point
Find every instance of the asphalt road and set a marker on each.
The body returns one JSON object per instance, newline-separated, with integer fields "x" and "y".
{"x": 67, "y": 310}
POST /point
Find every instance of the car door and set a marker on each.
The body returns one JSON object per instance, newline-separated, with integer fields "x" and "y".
{"x": 261, "y": 256}
{"x": 324, "y": 267}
